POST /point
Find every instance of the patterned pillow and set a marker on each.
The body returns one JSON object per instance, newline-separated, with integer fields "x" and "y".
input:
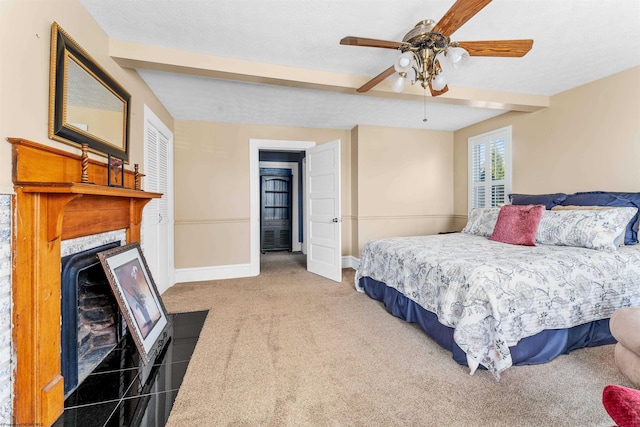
{"x": 482, "y": 221}
{"x": 592, "y": 229}
{"x": 518, "y": 224}
{"x": 611, "y": 199}
{"x": 618, "y": 240}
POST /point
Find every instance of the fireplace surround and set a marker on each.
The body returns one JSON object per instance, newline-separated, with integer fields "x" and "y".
{"x": 53, "y": 205}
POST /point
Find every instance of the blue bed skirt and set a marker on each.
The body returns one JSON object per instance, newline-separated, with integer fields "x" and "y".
{"x": 539, "y": 348}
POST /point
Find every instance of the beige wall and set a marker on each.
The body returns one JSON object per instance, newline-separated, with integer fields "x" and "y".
{"x": 404, "y": 181}
{"x": 393, "y": 182}
{"x": 212, "y": 206}
{"x": 25, "y": 37}
{"x": 588, "y": 139}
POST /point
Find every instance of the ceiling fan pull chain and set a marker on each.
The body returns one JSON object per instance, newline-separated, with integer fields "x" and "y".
{"x": 425, "y": 106}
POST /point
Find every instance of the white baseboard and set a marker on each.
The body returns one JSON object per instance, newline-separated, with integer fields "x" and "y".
{"x": 220, "y": 272}
{"x": 350, "y": 262}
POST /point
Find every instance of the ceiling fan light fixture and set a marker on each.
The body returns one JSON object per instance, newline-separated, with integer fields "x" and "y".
{"x": 398, "y": 82}
{"x": 438, "y": 82}
{"x": 457, "y": 56}
{"x": 404, "y": 62}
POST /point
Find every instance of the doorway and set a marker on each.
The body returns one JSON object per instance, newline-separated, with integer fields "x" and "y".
{"x": 321, "y": 198}
{"x": 256, "y": 146}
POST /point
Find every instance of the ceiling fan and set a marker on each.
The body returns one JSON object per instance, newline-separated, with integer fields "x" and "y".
{"x": 427, "y": 46}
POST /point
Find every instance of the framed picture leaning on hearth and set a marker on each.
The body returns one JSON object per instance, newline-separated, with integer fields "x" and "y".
{"x": 130, "y": 279}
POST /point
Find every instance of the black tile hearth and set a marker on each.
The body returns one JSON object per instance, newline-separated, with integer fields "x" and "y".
{"x": 121, "y": 392}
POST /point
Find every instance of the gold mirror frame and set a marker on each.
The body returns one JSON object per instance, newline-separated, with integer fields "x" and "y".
{"x": 86, "y": 105}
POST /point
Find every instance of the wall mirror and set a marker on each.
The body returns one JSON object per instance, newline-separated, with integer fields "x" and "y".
{"x": 87, "y": 106}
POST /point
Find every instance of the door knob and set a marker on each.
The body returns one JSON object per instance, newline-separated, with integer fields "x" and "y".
{"x": 335, "y": 220}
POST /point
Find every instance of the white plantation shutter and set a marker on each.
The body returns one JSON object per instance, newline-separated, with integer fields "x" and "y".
{"x": 490, "y": 168}
{"x": 151, "y": 171}
{"x": 163, "y": 182}
{"x": 156, "y": 178}
{"x": 478, "y": 161}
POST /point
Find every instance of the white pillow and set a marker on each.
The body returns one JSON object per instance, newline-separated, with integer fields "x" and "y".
{"x": 594, "y": 229}
{"x": 482, "y": 221}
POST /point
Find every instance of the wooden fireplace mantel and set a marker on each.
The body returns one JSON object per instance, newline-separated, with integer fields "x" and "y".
{"x": 51, "y": 205}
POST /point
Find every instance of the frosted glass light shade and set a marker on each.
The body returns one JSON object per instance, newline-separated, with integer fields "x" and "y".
{"x": 438, "y": 82}
{"x": 403, "y": 62}
{"x": 397, "y": 84}
{"x": 457, "y": 56}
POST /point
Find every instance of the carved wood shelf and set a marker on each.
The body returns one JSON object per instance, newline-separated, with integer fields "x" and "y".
{"x": 80, "y": 188}
{"x": 50, "y": 207}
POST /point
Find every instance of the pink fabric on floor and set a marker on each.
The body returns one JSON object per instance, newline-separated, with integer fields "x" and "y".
{"x": 622, "y": 404}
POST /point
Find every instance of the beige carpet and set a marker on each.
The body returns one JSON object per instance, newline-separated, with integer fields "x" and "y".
{"x": 289, "y": 348}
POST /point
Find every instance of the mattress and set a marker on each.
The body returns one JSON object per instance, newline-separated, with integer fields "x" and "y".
{"x": 493, "y": 295}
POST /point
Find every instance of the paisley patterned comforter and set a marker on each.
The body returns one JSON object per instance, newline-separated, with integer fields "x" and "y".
{"x": 494, "y": 294}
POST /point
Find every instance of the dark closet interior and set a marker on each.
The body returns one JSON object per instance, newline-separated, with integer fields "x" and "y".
{"x": 276, "y": 200}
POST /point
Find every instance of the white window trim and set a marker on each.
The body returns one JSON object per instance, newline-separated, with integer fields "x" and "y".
{"x": 485, "y": 138}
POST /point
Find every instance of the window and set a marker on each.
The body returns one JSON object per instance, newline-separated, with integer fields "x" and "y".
{"x": 490, "y": 168}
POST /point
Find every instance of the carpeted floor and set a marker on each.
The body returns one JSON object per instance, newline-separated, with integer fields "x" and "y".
{"x": 289, "y": 348}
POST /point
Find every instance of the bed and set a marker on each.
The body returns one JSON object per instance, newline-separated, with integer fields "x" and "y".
{"x": 494, "y": 304}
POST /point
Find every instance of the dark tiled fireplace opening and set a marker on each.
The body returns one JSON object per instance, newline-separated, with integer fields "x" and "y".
{"x": 91, "y": 322}
{"x": 105, "y": 381}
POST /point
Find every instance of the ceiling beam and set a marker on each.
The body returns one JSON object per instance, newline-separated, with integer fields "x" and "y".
{"x": 158, "y": 58}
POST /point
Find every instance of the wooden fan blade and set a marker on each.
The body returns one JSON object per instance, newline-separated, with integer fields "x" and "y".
{"x": 361, "y": 41}
{"x": 510, "y": 48}
{"x": 458, "y": 14}
{"x": 377, "y": 79}
{"x": 438, "y": 92}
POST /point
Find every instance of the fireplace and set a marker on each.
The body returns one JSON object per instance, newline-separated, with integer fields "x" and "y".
{"x": 91, "y": 322}
{"x": 52, "y": 205}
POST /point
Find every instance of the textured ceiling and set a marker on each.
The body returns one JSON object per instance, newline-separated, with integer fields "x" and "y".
{"x": 575, "y": 42}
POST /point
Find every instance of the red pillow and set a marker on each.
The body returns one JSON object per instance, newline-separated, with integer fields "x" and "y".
{"x": 518, "y": 224}
{"x": 622, "y": 404}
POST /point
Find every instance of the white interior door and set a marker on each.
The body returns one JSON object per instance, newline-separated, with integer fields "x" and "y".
{"x": 157, "y": 217}
{"x": 324, "y": 227}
